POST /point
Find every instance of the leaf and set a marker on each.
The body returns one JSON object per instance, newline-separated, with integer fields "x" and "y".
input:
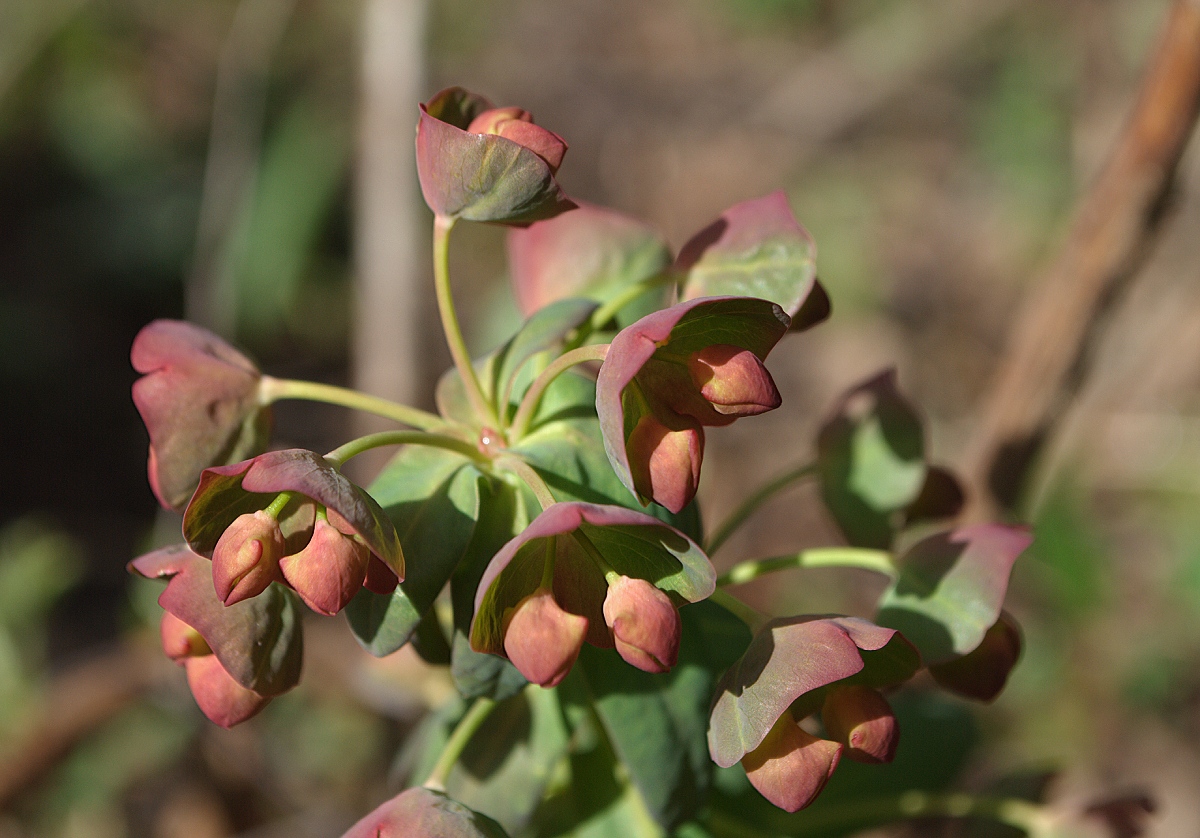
{"x": 793, "y": 658}
{"x": 501, "y": 516}
{"x": 951, "y": 587}
{"x": 754, "y": 249}
{"x": 657, "y": 723}
{"x": 544, "y": 329}
{"x": 258, "y": 641}
{"x": 421, "y": 813}
{"x": 871, "y": 461}
{"x": 510, "y": 761}
{"x": 592, "y": 252}
{"x": 432, "y": 498}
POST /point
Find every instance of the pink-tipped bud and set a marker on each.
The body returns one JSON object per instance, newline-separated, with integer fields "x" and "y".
{"x": 220, "y": 697}
{"x": 421, "y": 813}
{"x": 733, "y": 380}
{"x": 541, "y": 639}
{"x": 517, "y": 125}
{"x": 246, "y": 559}
{"x": 791, "y": 766}
{"x": 179, "y": 640}
{"x": 644, "y": 623}
{"x": 665, "y": 461}
{"x": 329, "y": 571}
{"x": 862, "y": 720}
{"x": 380, "y": 578}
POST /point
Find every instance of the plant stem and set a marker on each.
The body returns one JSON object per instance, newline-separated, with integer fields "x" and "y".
{"x": 454, "y": 338}
{"x": 609, "y": 310}
{"x": 752, "y": 503}
{"x": 273, "y": 389}
{"x": 354, "y": 447}
{"x": 533, "y": 396}
{"x": 532, "y": 479}
{"x": 752, "y": 617}
{"x": 458, "y": 742}
{"x": 610, "y": 575}
{"x": 879, "y": 561}
{"x": 275, "y": 509}
{"x": 1020, "y": 814}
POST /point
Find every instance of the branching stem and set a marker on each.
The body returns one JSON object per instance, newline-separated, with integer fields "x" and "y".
{"x": 273, "y": 389}
{"x": 879, "y": 561}
{"x": 533, "y": 396}
{"x": 752, "y": 503}
{"x": 532, "y": 479}
{"x": 752, "y": 617}
{"x": 354, "y": 447}
{"x": 458, "y": 742}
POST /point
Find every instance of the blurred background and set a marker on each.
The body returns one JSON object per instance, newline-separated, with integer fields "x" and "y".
{"x": 247, "y": 164}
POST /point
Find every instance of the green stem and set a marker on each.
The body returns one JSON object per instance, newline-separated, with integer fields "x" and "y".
{"x": 454, "y": 338}
{"x": 458, "y": 742}
{"x": 752, "y": 617}
{"x": 275, "y": 509}
{"x": 273, "y": 389}
{"x": 533, "y": 396}
{"x": 609, "y": 310}
{"x": 594, "y": 554}
{"x": 354, "y": 447}
{"x": 532, "y": 479}
{"x": 752, "y": 503}
{"x": 879, "y": 561}
{"x": 1020, "y": 814}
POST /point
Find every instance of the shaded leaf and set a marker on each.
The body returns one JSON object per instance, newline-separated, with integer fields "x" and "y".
{"x": 258, "y": 641}
{"x": 950, "y": 588}
{"x": 544, "y": 330}
{"x": 432, "y": 498}
{"x": 421, "y": 813}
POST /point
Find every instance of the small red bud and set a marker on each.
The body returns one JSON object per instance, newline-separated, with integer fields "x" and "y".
{"x": 645, "y": 624}
{"x": 541, "y": 639}
{"x": 329, "y": 571}
{"x": 665, "y": 461}
{"x": 862, "y": 720}
{"x": 733, "y": 380}
{"x": 791, "y": 766}
{"x": 380, "y": 577}
{"x": 246, "y": 558}
{"x": 517, "y": 125}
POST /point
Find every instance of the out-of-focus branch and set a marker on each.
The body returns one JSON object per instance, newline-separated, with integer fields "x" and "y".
{"x": 392, "y": 294}
{"x": 75, "y": 703}
{"x": 230, "y": 172}
{"x": 1115, "y": 224}
{"x": 25, "y": 28}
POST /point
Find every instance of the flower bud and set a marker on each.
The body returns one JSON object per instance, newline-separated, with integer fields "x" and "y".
{"x": 517, "y": 125}
{"x": 861, "y": 719}
{"x": 644, "y": 623}
{"x": 541, "y": 639}
{"x": 665, "y": 461}
{"x": 224, "y": 701}
{"x": 982, "y": 673}
{"x": 246, "y": 559}
{"x": 733, "y": 380}
{"x": 329, "y": 571}
{"x": 179, "y": 640}
{"x": 791, "y": 766}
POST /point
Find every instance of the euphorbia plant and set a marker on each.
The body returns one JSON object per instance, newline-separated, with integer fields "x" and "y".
{"x": 539, "y": 534}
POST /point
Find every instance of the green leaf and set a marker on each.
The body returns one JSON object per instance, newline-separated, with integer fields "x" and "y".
{"x": 432, "y": 497}
{"x": 951, "y": 587}
{"x": 755, "y": 249}
{"x": 657, "y": 723}
{"x": 871, "y": 461}
{"x": 502, "y": 514}
{"x": 544, "y": 329}
{"x": 510, "y": 761}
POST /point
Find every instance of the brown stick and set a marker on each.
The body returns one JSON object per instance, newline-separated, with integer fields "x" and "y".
{"x": 75, "y": 703}
{"x": 1109, "y": 239}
